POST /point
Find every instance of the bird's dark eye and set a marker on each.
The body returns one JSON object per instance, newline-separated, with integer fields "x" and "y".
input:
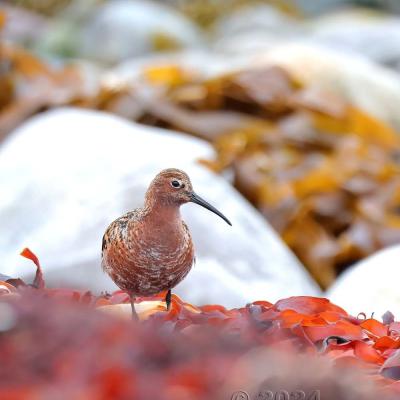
{"x": 175, "y": 184}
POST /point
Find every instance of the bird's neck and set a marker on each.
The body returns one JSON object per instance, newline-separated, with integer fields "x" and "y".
{"x": 162, "y": 214}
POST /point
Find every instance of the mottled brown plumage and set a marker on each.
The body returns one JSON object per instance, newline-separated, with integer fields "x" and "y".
{"x": 150, "y": 250}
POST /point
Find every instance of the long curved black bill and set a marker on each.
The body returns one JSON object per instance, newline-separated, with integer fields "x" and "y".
{"x": 198, "y": 200}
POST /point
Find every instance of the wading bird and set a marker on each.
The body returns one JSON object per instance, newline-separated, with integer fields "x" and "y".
{"x": 150, "y": 250}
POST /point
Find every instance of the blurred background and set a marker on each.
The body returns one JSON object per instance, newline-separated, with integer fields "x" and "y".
{"x": 284, "y": 114}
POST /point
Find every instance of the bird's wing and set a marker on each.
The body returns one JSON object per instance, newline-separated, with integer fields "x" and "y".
{"x": 116, "y": 228}
{"x": 185, "y": 227}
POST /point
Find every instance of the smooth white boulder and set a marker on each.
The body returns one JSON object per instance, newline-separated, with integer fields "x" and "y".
{"x": 121, "y": 29}
{"x": 373, "y": 34}
{"x": 253, "y": 27}
{"x": 361, "y": 82}
{"x": 371, "y": 285}
{"x": 66, "y": 174}
{"x": 362, "y": 31}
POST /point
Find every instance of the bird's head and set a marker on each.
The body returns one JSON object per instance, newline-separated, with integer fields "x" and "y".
{"x": 172, "y": 187}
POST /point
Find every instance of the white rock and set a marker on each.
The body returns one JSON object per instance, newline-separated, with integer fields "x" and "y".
{"x": 22, "y": 26}
{"x": 373, "y": 88}
{"x": 370, "y": 286}
{"x": 201, "y": 62}
{"x": 371, "y": 34}
{"x": 66, "y": 174}
{"x": 123, "y": 28}
{"x": 254, "y": 27}
{"x": 307, "y": 7}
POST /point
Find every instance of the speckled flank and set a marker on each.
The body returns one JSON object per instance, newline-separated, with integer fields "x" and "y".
{"x": 150, "y": 249}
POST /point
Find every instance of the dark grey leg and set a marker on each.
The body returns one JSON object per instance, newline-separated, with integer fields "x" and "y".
{"x": 168, "y": 299}
{"x": 134, "y": 314}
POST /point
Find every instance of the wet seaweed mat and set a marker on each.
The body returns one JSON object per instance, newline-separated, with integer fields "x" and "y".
{"x": 58, "y": 339}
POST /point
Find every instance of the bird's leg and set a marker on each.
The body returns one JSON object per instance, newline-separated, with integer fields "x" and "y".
{"x": 168, "y": 299}
{"x": 134, "y": 313}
